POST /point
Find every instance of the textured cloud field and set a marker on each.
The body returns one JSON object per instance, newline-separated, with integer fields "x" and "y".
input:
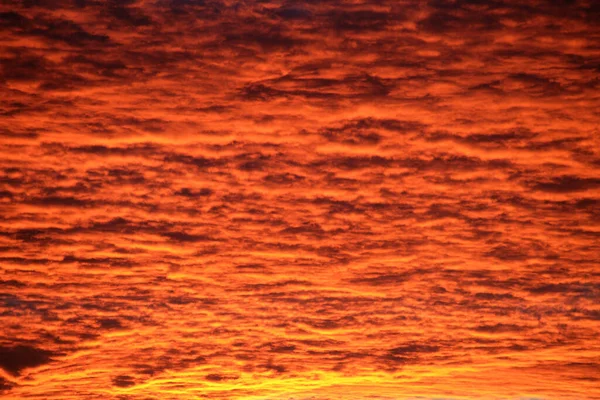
{"x": 303, "y": 199}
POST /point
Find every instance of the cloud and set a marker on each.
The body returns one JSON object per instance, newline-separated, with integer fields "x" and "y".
{"x": 567, "y": 184}
{"x": 4, "y": 385}
{"x": 123, "y": 381}
{"x": 219, "y": 378}
{"x": 499, "y": 328}
{"x": 14, "y": 359}
{"x": 299, "y": 199}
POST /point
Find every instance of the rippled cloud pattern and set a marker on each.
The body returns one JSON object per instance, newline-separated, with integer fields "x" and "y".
{"x": 366, "y": 199}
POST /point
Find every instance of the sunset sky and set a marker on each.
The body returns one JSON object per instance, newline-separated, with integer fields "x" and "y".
{"x": 310, "y": 199}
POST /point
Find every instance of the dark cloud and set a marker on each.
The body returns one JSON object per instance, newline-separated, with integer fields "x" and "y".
{"x": 293, "y": 13}
{"x": 186, "y": 192}
{"x": 360, "y": 20}
{"x": 568, "y": 288}
{"x": 67, "y": 32}
{"x": 123, "y": 381}
{"x": 24, "y": 66}
{"x": 494, "y": 296}
{"x": 127, "y": 15}
{"x": 385, "y": 279}
{"x": 567, "y": 184}
{"x": 4, "y": 385}
{"x": 414, "y": 349}
{"x": 500, "y": 328}
{"x": 219, "y": 378}
{"x": 270, "y": 38}
{"x": 408, "y": 353}
{"x": 11, "y": 19}
{"x": 14, "y": 359}
{"x": 62, "y": 201}
{"x": 110, "y": 323}
{"x": 187, "y": 237}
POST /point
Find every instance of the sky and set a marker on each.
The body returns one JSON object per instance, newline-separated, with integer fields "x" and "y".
{"x": 362, "y": 199}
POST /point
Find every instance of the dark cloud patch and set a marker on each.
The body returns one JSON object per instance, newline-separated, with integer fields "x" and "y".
{"x": 199, "y": 162}
{"x": 494, "y": 296}
{"x": 278, "y": 368}
{"x": 335, "y": 206}
{"x": 574, "y": 288}
{"x": 30, "y": 235}
{"x": 437, "y": 211}
{"x": 66, "y": 31}
{"x": 281, "y": 348}
{"x": 187, "y": 192}
{"x": 360, "y": 20}
{"x": 12, "y": 283}
{"x": 123, "y": 381}
{"x": 11, "y": 20}
{"x": 144, "y": 369}
{"x": 270, "y": 38}
{"x": 255, "y": 163}
{"x": 500, "y": 328}
{"x": 308, "y": 228}
{"x": 183, "y": 300}
{"x": 361, "y": 162}
{"x": 359, "y": 139}
{"x": 61, "y": 201}
{"x": 14, "y": 359}
{"x": 407, "y": 353}
{"x": 291, "y": 86}
{"x": 4, "y": 385}
{"x": 25, "y": 260}
{"x": 501, "y": 138}
{"x": 448, "y": 163}
{"x": 326, "y": 324}
{"x": 567, "y": 184}
{"x": 459, "y": 19}
{"x": 366, "y": 131}
{"x": 117, "y": 224}
{"x": 388, "y": 124}
{"x": 201, "y": 9}
{"x": 126, "y": 176}
{"x": 99, "y": 261}
{"x": 110, "y": 324}
{"x": 384, "y": 279}
{"x": 414, "y": 349}
{"x": 588, "y": 204}
{"x": 293, "y": 13}
{"x": 284, "y": 179}
{"x": 24, "y": 66}
{"x": 537, "y": 84}
{"x": 187, "y": 237}
{"x": 262, "y": 286}
{"x": 115, "y": 68}
{"x": 508, "y": 252}
{"x": 220, "y": 378}
{"x": 251, "y": 267}
{"x": 593, "y": 315}
{"x": 128, "y": 15}
{"x": 260, "y": 92}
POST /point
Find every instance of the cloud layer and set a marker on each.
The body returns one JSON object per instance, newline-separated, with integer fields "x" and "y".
{"x": 271, "y": 199}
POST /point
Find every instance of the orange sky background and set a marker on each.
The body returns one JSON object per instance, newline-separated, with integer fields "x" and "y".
{"x": 299, "y": 199}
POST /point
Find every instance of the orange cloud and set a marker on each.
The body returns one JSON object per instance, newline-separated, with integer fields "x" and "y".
{"x": 329, "y": 200}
